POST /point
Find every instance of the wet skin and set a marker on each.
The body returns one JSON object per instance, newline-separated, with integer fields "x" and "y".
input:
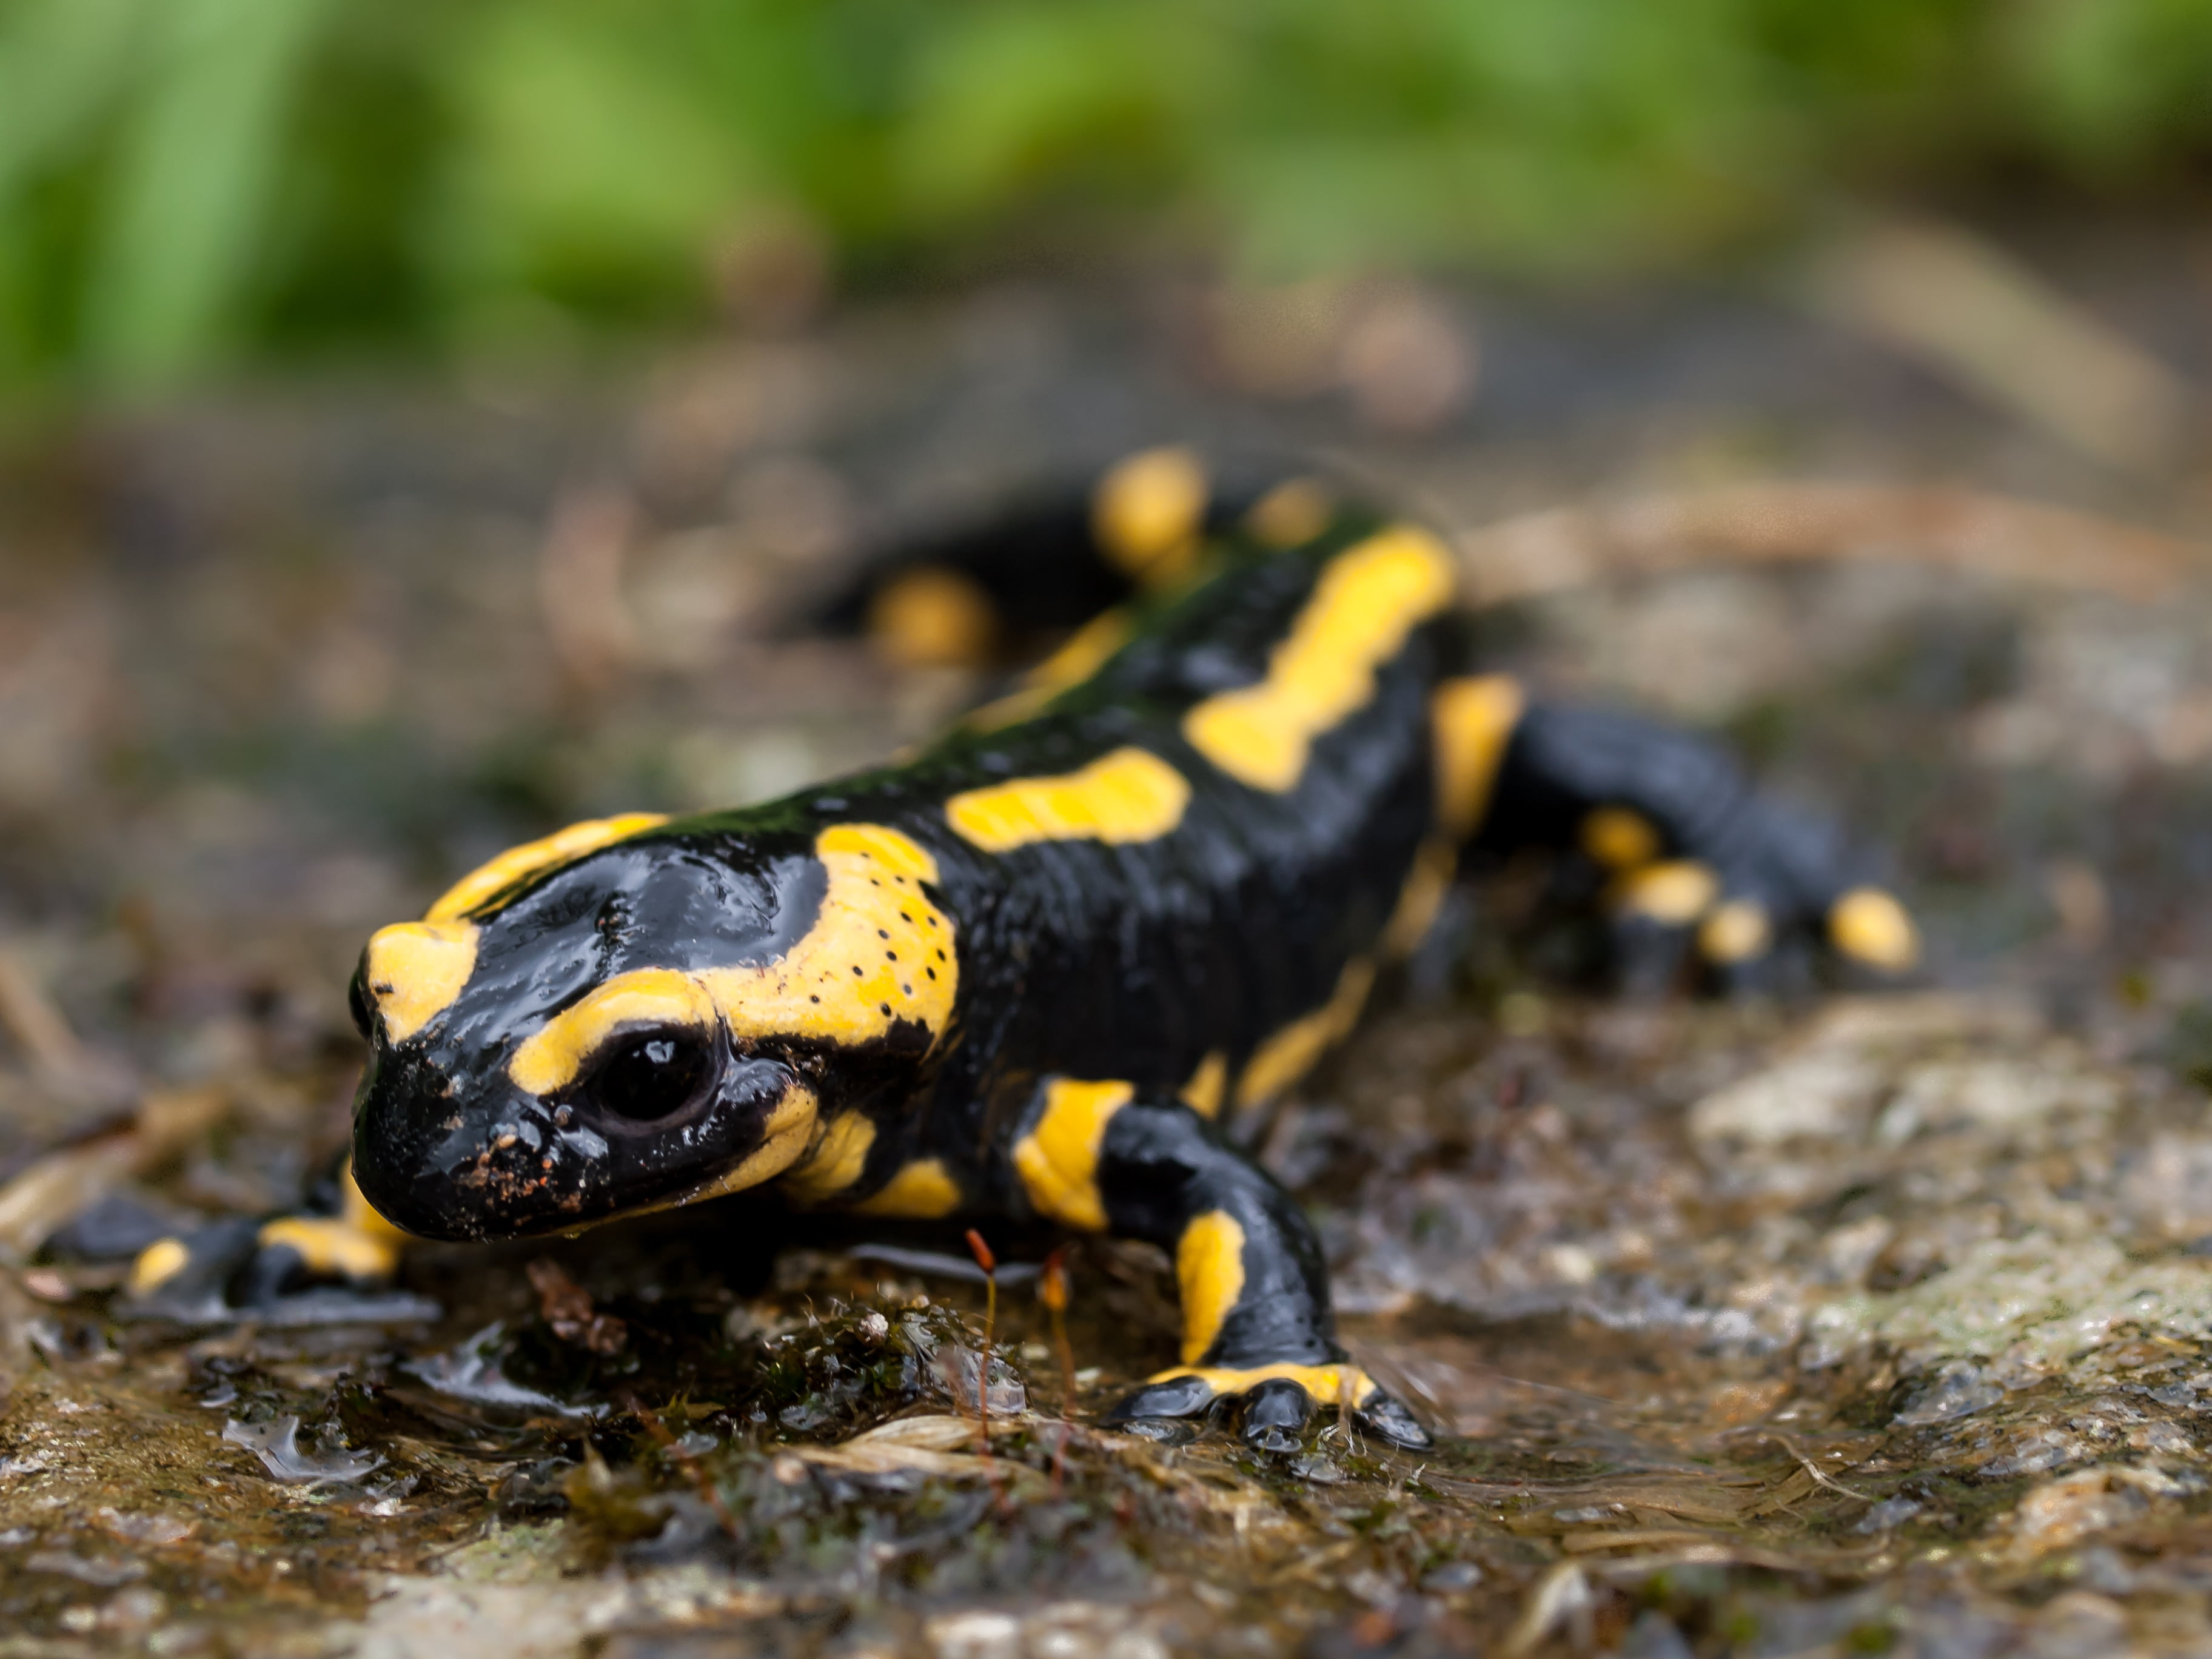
{"x": 1039, "y": 970}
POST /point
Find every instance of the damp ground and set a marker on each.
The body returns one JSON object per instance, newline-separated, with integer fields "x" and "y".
{"x": 1812, "y": 1320}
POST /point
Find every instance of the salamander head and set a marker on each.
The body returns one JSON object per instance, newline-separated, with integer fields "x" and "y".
{"x": 627, "y": 1016}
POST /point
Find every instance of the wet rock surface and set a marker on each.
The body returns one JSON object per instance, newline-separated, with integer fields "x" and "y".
{"x": 1811, "y": 1321}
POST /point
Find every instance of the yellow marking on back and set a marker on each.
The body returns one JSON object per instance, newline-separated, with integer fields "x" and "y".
{"x": 533, "y": 858}
{"x": 921, "y": 1191}
{"x": 1370, "y": 598}
{"x": 1620, "y": 837}
{"x": 932, "y": 617}
{"x": 1083, "y": 654}
{"x": 879, "y": 951}
{"x": 1290, "y": 514}
{"x": 328, "y": 1245}
{"x": 1058, "y": 1160}
{"x": 414, "y": 969}
{"x": 1147, "y": 514}
{"x": 1675, "y": 893}
{"x": 1130, "y": 795}
{"x": 1208, "y": 1085}
{"x": 1474, "y": 720}
{"x": 157, "y": 1264}
{"x": 1330, "y": 1385}
{"x": 1737, "y": 930}
{"x": 1282, "y": 1058}
{"x": 1420, "y": 898}
{"x": 552, "y": 1056}
{"x": 1868, "y": 924}
{"x": 1210, "y": 1272}
{"x": 836, "y": 1161}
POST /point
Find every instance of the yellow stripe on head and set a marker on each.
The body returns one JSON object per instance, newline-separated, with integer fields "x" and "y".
{"x": 552, "y": 1056}
{"x": 1130, "y": 795}
{"x": 519, "y": 864}
{"x": 1370, "y": 598}
{"x": 1474, "y": 720}
{"x": 414, "y": 970}
{"x": 1209, "y": 1273}
{"x": 1058, "y": 1160}
{"x": 1147, "y": 513}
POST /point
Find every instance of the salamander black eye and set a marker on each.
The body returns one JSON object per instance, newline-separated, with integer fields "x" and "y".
{"x": 653, "y": 1076}
{"x": 364, "y": 1018}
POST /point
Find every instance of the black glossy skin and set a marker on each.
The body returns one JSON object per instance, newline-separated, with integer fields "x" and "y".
{"x": 1077, "y": 958}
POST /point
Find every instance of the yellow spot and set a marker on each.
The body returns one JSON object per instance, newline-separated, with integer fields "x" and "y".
{"x": 328, "y": 1245}
{"x": 519, "y": 864}
{"x": 1474, "y": 720}
{"x": 880, "y": 952}
{"x": 1282, "y": 1058}
{"x": 784, "y": 1141}
{"x": 1675, "y": 893}
{"x": 1290, "y": 514}
{"x": 1210, "y": 1272}
{"x": 1737, "y": 930}
{"x": 1130, "y": 795}
{"x": 1419, "y": 899}
{"x": 1058, "y": 1160}
{"x": 414, "y": 969}
{"x": 1208, "y": 1084}
{"x": 836, "y": 1161}
{"x": 552, "y": 1056}
{"x": 1328, "y": 1384}
{"x": 922, "y": 1191}
{"x": 1618, "y": 838}
{"x": 1147, "y": 514}
{"x": 1368, "y": 599}
{"x": 932, "y": 617}
{"x": 358, "y": 1214}
{"x": 1869, "y": 925}
{"x": 157, "y": 1264}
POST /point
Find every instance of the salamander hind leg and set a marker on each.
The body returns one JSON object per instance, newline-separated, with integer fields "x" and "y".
{"x": 1258, "y": 1336}
{"x": 1693, "y": 861}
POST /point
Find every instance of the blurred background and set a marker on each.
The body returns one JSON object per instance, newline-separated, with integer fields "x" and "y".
{"x": 197, "y": 188}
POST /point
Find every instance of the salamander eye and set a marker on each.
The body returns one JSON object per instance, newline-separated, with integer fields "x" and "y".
{"x": 652, "y": 1076}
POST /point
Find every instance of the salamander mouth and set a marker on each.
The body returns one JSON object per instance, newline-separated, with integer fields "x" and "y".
{"x": 511, "y": 1165}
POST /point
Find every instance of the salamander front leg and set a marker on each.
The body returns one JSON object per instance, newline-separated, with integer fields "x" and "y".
{"x": 1257, "y": 1321}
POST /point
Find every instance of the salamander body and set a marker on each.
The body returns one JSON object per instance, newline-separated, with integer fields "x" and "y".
{"x": 1040, "y": 968}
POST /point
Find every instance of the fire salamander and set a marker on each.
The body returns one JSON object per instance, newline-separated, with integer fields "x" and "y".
{"x": 1039, "y": 970}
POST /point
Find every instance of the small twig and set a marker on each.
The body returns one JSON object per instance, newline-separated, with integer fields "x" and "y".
{"x": 1806, "y": 1463}
{"x": 1053, "y": 1290}
{"x": 708, "y": 1491}
{"x": 989, "y": 1264}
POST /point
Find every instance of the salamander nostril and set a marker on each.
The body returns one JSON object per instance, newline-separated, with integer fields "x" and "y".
{"x": 650, "y": 1076}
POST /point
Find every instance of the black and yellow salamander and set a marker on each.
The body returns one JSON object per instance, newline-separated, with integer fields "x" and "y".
{"x": 1037, "y": 969}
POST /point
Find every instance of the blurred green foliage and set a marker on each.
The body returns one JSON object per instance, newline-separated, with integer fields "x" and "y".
{"x": 185, "y": 184}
